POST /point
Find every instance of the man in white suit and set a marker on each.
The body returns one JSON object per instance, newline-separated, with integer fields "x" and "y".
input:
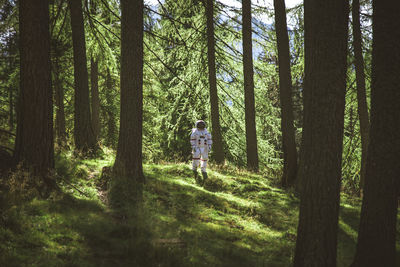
{"x": 201, "y": 142}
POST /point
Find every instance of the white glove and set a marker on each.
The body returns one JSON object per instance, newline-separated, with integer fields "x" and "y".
{"x": 209, "y": 147}
{"x": 194, "y": 149}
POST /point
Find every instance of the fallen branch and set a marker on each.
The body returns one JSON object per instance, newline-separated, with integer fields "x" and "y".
{"x": 176, "y": 242}
{"x": 74, "y": 187}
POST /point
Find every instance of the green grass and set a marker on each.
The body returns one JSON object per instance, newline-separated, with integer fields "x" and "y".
{"x": 236, "y": 219}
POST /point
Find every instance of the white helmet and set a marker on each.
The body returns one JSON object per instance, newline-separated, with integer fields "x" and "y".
{"x": 200, "y": 124}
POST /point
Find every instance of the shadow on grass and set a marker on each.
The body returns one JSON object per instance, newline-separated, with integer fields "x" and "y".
{"x": 254, "y": 227}
{"x": 348, "y": 232}
{"x": 236, "y": 222}
{"x": 75, "y": 232}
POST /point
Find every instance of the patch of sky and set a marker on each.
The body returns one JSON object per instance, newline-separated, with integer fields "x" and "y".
{"x": 233, "y": 5}
{"x": 262, "y": 21}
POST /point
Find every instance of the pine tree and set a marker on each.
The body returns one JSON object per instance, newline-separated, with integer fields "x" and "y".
{"x": 83, "y": 132}
{"x": 218, "y": 151}
{"x": 61, "y": 133}
{"x": 34, "y": 146}
{"x": 250, "y": 112}
{"x": 285, "y": 89}
{"x": 128, "y": 163}
{"x": 361, "y": 90}
{"x": 321, "y": 156}
{"x": 94, "y": 81}
{"x": 112, "y": 131}
{"x": 377, "y": 232}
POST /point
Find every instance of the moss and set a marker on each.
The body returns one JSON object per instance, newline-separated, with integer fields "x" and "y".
{"x": 215, "y": 184}
{"x": 236, "y": 219}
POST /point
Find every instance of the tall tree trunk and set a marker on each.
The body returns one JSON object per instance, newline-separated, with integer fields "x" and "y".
{"x": 11, "y": 111}
{"x": 250, "y": 112}
{"x": 218, "y": 154}
{"x": 128, "y": 163}
{"x": 83, "y": 132}
{"x": 60, "y": 111}
{"x": 377, "y": 232}
{"x": 34, "y": 145}
{"x": 325, "y": 24}
{"x": 361, "y": 91}
{"x": 94, "y": 80}
{"x": 111, "y": 125}
{"x": 285, "y": 86}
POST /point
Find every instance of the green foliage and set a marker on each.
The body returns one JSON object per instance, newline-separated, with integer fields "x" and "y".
{"x": 176, "y": 85}
{"x": 21, "y": 186}
{"x": 176, "y": 78}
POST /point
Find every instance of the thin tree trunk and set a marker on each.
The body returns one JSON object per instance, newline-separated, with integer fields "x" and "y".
{"x": 128, "y": 162}
{"x": 11, "y": 111}
{"x": 83, "y": 132}
{"x": 377, "y": 232}
{"x": 285, "y": 86}
{"x": 94, "y": 80}
{"x": 324, "y": 101}
{"x": 111, "y": 125}
{"x": 218, "y": 151}
{"x": 361, "y": 90}
{"x": 250, "y": 113}
{"x": 60, "y": 111}
{"x": 34, "y": 146}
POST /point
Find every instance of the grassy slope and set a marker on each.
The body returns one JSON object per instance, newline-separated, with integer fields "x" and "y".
{"x": 238, "y": 219}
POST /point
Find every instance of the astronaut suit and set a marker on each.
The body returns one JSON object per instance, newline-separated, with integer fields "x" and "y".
{"x": 201, "y": 142}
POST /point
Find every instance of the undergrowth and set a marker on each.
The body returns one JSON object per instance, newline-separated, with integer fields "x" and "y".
{"x": 237, "y": 219}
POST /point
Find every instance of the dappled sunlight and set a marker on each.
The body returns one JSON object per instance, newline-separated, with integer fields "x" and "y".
{"x": 232, "y": 220}
{"x": 182, "y": 133}
{"x": 350, "y": 232}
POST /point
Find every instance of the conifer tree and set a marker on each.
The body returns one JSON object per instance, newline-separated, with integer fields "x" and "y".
{"x": 218, "y": 152}
{"x": 285, "y": 90}
{"x": 34, "y": 145}
{"x": 250, "y": 112}
{"x": 83, "y": 131}
{"x": 94, "y": 81}
{"x": 376, "y": 244}
{"x": 325, "y": 36}
{"x": 61, "y": 133}
{"x": 361, "y": 90}
{"x": 128, "y": 163}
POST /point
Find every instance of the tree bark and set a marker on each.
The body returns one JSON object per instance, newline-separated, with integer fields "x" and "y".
{"x": 250, "y": 113}
{"x": 94, "y": 80}
{"x": 218, "y": 151}
{"x": 128, "y": 163}
{"x": 34, "y": 146}
{"x": 377, "y": 232}
{"x": 361, "y": 90}
{"x": 285, "y": 86}
{"x": 325, "y": 25}
{"x": 83, "y": 132}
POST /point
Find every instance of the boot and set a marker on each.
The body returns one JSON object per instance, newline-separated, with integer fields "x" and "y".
{"x": 196, "y": 176}
{"x": 204, "y": 174}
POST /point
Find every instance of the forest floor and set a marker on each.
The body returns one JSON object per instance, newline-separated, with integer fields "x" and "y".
{"x": 237, "y": 219}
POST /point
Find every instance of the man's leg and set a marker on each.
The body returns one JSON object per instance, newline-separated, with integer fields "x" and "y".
{"x": 195, "y": 164}
{"x": 203, "y": 165}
